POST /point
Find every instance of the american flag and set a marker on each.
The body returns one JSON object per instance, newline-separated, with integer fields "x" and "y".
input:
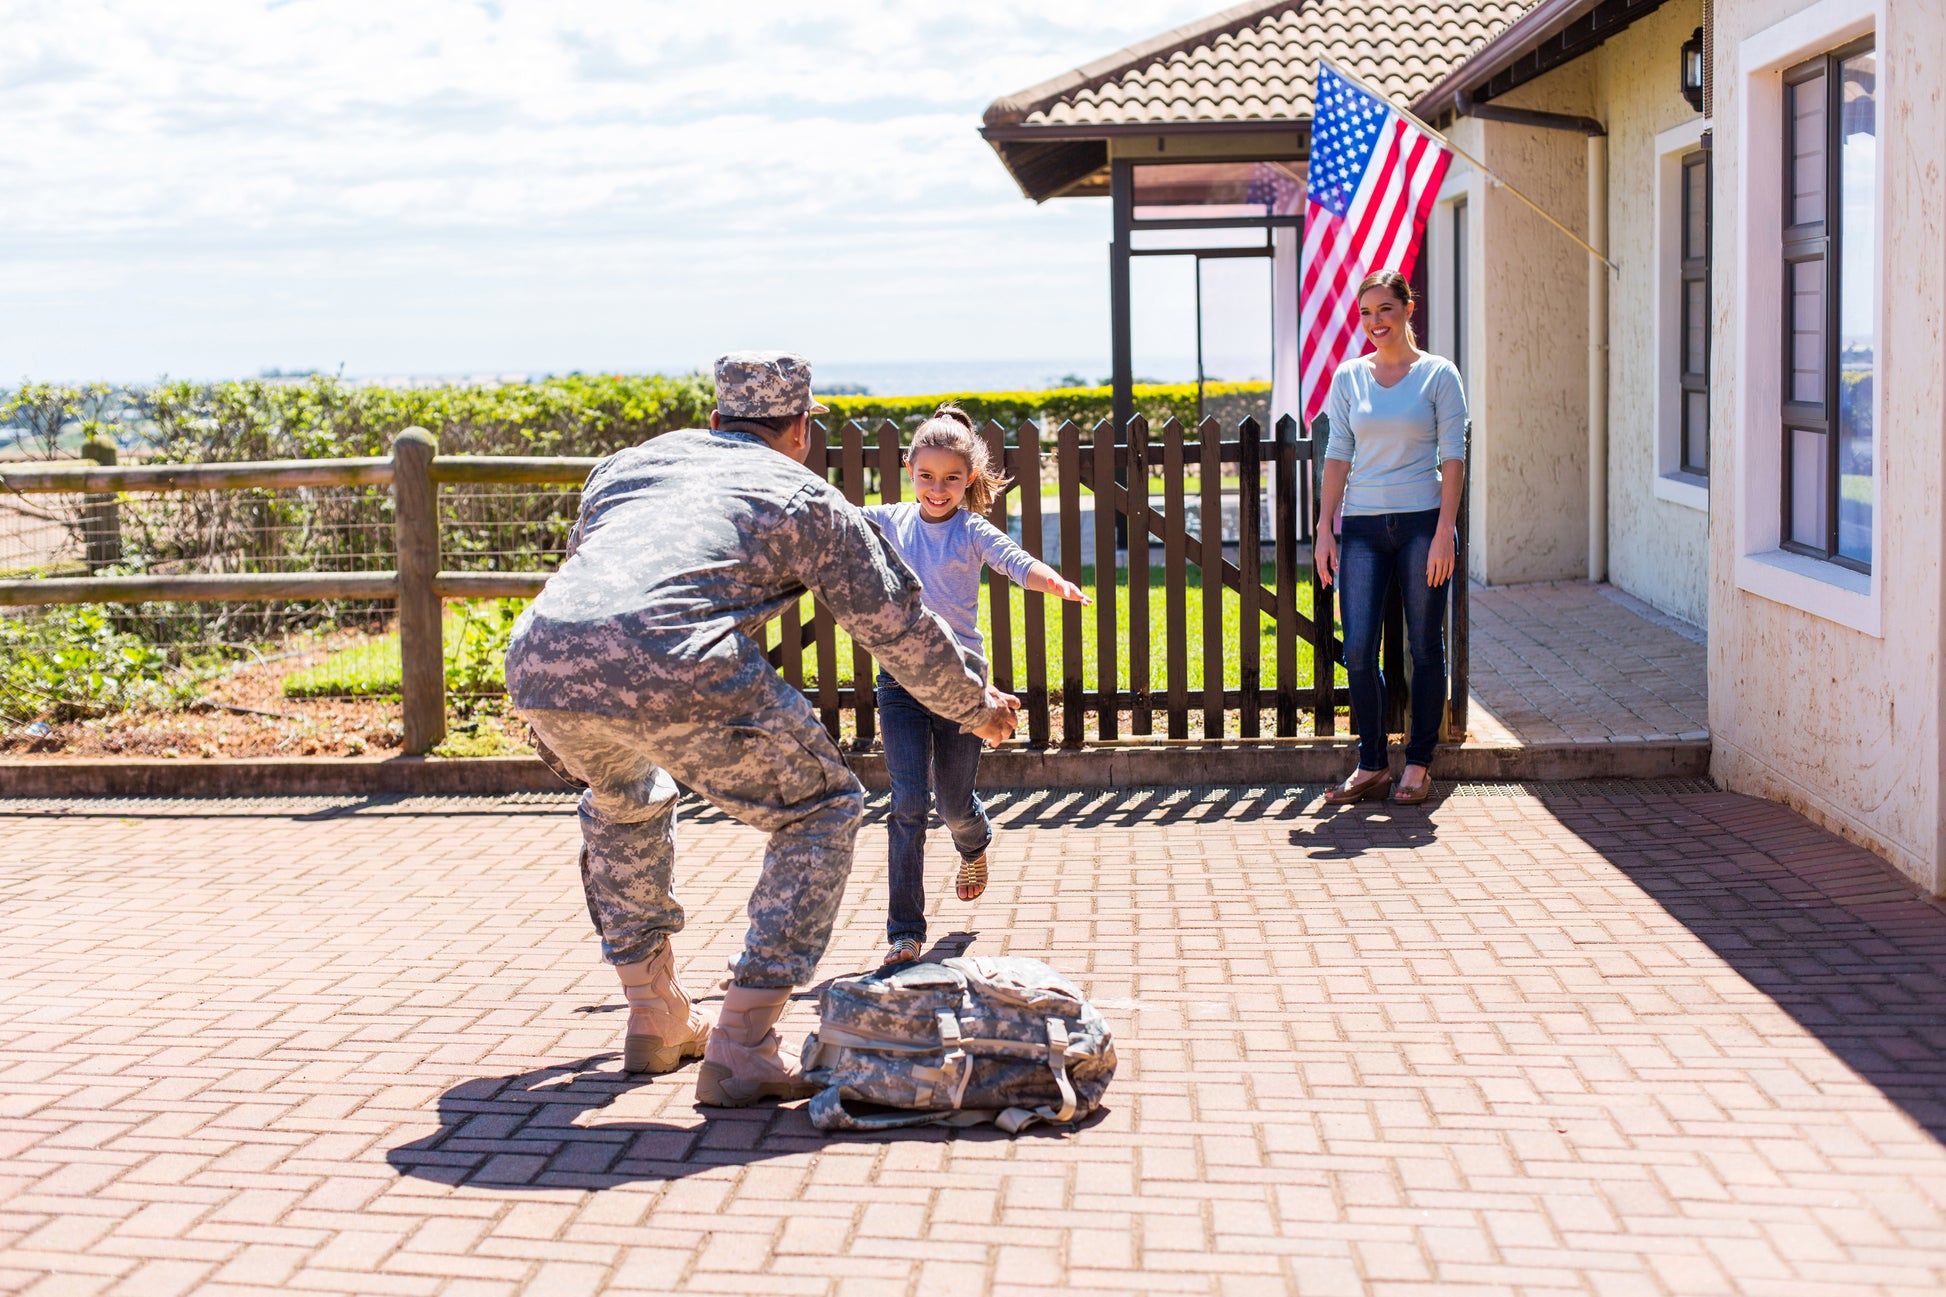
{"x": 1374, "y": 178}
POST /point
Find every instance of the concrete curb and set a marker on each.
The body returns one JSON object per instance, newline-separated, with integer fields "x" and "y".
{"x": 1287, "y": 762}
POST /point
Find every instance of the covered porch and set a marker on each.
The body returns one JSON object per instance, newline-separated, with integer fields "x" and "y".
{"x": 1200, "y": 140}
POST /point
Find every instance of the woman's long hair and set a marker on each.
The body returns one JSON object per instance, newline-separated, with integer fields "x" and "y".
{"x": 951, "y": 428}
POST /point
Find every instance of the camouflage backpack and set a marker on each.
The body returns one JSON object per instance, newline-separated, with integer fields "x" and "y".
{"x": 965, "y": 1041}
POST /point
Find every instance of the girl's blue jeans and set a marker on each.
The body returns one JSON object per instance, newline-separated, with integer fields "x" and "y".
{"x": 1374, "y": 551}
{"x": 925, "y": 757}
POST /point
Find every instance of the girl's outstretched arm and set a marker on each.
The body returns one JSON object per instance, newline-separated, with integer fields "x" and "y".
{"x": 1001, "y": 554}
{"x": 1046, "y": 580}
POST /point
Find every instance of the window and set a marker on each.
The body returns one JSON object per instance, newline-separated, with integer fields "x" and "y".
{"x": 1693, "y": 306}
{"x": 1819, "y": 41}
{"x": 1683, "y": 345}
{"x": 1459, "y": 289}
{"x": 1829, "y": 305}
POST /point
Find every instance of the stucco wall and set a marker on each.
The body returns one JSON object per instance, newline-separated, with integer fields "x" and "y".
{"x": 1530, "y": 366}
{"x": 1843, "y": 724}
{"x": 1658, "y": 550}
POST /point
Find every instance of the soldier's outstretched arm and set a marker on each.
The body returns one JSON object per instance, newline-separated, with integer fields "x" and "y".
{"x": 843, "y": 559}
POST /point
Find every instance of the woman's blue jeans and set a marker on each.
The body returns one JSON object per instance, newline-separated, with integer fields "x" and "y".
{"x": 1374, "y": 551}
{"x": 925, "y": 755}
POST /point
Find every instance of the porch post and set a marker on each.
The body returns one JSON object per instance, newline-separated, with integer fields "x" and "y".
{"x": 1121, "y": 193}
{"x": 1598, "y": 360}
{"x": 1121, "y": 185}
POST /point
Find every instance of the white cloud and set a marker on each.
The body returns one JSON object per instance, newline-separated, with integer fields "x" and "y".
{"x": 207, "y": 186}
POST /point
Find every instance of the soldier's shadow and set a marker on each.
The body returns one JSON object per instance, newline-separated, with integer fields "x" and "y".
{"x": 567, "y": 1127}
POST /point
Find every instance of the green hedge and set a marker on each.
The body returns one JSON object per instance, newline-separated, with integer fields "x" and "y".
{"x": 1156, "y": 402}
{"x": 327, "y": 418}
{"x": 323, "y": 418}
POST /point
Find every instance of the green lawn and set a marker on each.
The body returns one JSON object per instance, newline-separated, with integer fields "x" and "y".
{"x": 367, "y": 670}
{"x": 372, "y": 668}
{"x": 474, "y": 634}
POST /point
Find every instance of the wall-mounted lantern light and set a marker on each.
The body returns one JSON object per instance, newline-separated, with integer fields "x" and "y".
{"x": 1692, "y": 70}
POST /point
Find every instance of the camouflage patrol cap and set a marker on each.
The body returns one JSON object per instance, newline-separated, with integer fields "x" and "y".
{"x": 764, "y": 385}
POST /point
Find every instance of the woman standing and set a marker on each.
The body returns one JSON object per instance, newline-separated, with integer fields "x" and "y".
{"x": 1396, "y": 463}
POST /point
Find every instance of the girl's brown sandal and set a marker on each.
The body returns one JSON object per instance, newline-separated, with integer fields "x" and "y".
{"x": 972, "y": 878}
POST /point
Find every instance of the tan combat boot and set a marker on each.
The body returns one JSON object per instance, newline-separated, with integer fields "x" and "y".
{"x": 664, "y": 1028}
{"x": 742, "y": 1062}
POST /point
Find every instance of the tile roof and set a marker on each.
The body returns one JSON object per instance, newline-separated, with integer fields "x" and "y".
{"x": 1256, "y": 62}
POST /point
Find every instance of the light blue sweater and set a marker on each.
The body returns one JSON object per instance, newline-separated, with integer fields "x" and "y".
{"x": 948, "y": 558}
{"x": 1395, "y": 438}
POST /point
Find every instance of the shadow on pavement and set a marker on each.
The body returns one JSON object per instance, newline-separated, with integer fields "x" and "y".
{"x": 1347, "y": 832}
{"x": 1100, "y": 808}
{"x": 1822, "y": 927}
{"x": 951, "y": 946}
{"x": 567, "y": 1127}
{"x": 1097, "y": 808}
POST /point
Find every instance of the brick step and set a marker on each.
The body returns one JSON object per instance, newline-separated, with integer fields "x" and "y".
{"x": 1124, "y": 765}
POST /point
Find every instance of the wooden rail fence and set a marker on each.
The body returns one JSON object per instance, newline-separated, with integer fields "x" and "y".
{"x": 1133, "y": 695}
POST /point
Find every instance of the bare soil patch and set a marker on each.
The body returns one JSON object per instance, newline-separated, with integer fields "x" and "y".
{"x": 242, "y": 713}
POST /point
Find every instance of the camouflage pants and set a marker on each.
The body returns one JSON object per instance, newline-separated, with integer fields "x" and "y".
{"x": 776, "y": 771}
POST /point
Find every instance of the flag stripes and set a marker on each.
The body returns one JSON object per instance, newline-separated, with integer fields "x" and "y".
{"x": 1398, "y": 170}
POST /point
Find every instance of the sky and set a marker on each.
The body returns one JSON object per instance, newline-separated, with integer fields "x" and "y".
{"x": 210, "y": 188}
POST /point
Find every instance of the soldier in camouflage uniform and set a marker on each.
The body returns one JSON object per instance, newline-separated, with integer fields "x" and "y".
{"x": 640, "y": 666}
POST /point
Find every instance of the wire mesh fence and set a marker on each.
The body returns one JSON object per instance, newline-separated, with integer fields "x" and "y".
{"x": 494, "y": 527}
{"x": 263, "y": 664}
{"x": 42, "y": 535}
{"x": 75, "y": 662}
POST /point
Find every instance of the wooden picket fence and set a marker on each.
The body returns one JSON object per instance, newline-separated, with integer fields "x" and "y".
{"x": 1138, "y": 694}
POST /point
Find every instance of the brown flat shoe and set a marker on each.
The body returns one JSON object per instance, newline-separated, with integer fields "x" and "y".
{"x": 1362, "y": 785}
{"x": 1413, "y": 794}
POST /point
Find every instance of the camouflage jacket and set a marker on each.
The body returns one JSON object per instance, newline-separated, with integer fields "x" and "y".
{"x": 685, "y": 546}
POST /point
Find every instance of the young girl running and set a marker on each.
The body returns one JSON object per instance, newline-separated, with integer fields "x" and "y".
{"x": 942, "y": 537}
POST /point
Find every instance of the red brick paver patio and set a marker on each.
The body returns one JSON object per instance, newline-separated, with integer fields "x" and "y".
{"x": 1607, "y": 1043}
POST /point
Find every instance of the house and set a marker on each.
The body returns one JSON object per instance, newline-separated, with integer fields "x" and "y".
{"x": 1744, "y": 423}
{"x": 1736, "y": 414}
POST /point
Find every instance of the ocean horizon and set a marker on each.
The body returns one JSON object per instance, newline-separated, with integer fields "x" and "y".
{"x": 839, "y": 377}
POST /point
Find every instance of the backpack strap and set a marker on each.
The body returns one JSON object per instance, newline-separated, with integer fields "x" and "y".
{"x": 1015, "y": 1120}
{"x": 1057, "y": 1063}
{"x": 955, "y": 1055}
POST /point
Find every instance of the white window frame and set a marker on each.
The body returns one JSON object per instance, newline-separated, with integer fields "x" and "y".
{"x": 1827, "y": 590}
{"x": 1671, "y": 483}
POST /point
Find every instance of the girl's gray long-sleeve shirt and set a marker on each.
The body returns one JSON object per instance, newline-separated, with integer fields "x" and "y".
{"x": 1395, "y": 438}
{"x": 948, "y": 558}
